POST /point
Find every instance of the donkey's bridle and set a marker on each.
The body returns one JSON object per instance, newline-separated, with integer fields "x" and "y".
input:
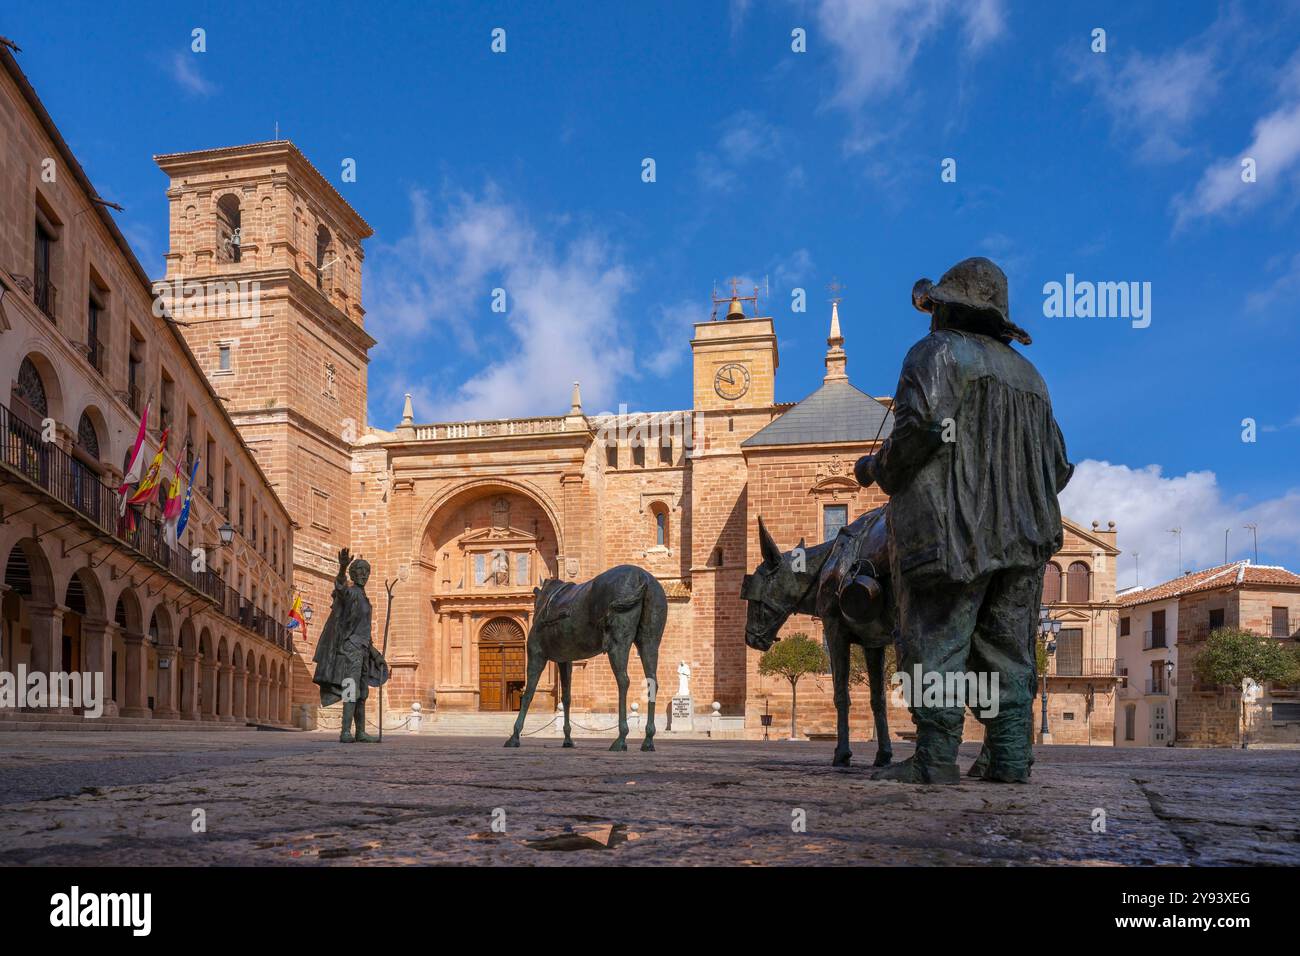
{"x": 746, "y": 586}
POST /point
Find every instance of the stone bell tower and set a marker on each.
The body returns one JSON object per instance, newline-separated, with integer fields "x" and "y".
{"x": 261, "y": 224}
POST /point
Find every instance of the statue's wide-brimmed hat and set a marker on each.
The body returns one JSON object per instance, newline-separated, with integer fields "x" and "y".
{"x": 979, "y": 288}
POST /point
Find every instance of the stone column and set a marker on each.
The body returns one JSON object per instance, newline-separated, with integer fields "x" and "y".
{"x": 165, "y": 703}
{"x": 99, "y": 660}
{"x": 208, "y": 702}
{"x": 136, "y": 698}
{"x": 250, "y": 700}
{"x": 465, "y": 650}
{"x": 263, "y": 714}
{"x": 225, "y": 693}
{"x": 237, "y": 694}
{"x": 190, "y": 692}
{"x": 46, "y": 622}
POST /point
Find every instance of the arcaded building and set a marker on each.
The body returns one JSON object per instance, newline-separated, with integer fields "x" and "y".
{"x": 189, "y": 631}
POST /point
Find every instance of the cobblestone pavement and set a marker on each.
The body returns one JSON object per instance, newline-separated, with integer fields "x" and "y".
{"x": 301, "y": 799}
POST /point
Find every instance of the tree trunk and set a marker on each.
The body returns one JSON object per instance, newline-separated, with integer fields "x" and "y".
{"x": 794, "y": 699}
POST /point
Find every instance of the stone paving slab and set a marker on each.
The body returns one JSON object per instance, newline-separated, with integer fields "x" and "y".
{"x": 304, "y": 799}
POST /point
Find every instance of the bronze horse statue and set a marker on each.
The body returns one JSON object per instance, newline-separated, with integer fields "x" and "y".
{"x": 849, "y": 572}
{"x": 606, "y": 615}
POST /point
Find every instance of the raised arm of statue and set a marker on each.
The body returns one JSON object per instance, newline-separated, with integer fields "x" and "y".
{"x": 344, "y": 560}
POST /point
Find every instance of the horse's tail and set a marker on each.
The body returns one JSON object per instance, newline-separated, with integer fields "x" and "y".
{"x": 654, "y": 615}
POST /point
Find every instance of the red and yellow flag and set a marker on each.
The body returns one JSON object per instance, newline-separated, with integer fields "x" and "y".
{"x": 148, "y": 487}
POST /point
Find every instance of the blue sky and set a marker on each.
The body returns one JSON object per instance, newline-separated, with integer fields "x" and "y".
{"x": 523, "y": 170}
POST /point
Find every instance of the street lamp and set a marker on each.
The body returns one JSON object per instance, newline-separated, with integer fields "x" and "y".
{"x": 306, "y": 613}
{"x": 227, "y": 534}
{"x": 1048, "y": 628}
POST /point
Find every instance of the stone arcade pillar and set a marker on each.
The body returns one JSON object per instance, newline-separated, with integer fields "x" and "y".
{"x": 190, "y": 692}
{"x": 208, "y": 695}
{"x": 165, "y": 704}
{"x": 137, "y": 675}
{"x": 225, "y": 693}
{"x": 99, "y": 659}
{"x": 237, "y": 693}
{"x": 46, "y": 622}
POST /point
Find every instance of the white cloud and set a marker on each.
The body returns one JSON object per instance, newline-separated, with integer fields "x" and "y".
{"x": 875, "y": 44}
{"x": 1153, "y": 99}
{"x": 564, "y": 318}
{"x": 1282, "y": 290}
{"x": 1145, "y": 504}
{"x": 1275, "y": 148}
{"x": 674, "y": 329}
{"x": 745, "y": 139}
{"x": 185, "y": 71}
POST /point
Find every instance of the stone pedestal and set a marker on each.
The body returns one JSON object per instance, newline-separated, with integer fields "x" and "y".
{"x": 681, "y": 715}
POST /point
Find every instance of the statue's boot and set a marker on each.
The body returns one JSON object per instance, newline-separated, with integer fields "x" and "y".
{"x": 935, "y": 760}
{"x": 362, "y": 737}
{"x": 1010, "y": 752}
{"x": 345, "y": 737}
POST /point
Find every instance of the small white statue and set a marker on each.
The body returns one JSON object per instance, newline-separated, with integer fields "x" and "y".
{"x": 683, "y": 680}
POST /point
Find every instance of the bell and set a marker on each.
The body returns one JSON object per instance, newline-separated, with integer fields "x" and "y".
{"x": 861, "y": 599}
{"x": 736, "y": 310}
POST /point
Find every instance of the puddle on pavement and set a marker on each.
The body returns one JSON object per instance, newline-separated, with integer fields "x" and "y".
{"x": 600, "y": 837}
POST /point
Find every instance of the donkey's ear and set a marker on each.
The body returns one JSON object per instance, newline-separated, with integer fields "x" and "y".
{"x": 536, "y": 591}
{"x": 767, "y": 544}
{"x": 802, "y": 547}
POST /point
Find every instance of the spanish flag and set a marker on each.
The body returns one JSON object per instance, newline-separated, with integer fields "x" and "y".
{"x": 296, "y": 620}
{"x": 148, "y": 487}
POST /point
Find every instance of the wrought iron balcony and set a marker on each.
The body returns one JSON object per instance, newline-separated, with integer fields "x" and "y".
{"x": 71, "y": 486}
{"x": 1154, "y": 638}
{"x": 1085, "y": 667}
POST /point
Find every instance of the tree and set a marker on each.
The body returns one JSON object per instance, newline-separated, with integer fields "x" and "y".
{"x": 793, "y": 658}
{"x": 1233, "y": 655}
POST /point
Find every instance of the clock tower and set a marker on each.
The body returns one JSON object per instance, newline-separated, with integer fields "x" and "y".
{"x": 735, "y": 360}
{"x": 735, "y": 366}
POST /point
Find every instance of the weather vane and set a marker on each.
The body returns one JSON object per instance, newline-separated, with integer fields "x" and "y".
{"x": 835, "y": 289}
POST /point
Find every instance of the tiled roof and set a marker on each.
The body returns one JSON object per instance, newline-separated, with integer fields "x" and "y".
{"x": 1224, "y": 575}
{"x": 836, "y": 412}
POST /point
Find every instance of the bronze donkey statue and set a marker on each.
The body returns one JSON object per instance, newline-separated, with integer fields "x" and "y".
{"x": 850, "y": 571}
{"x": 606, "y": 615}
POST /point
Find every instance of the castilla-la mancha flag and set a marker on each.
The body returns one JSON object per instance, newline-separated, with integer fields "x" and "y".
{"x": 137, "y": 462}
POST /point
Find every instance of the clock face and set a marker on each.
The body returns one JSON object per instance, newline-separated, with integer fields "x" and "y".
{"x": 731, "y": 381}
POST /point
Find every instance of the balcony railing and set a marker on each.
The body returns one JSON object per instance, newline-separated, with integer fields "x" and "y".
{"x": 45, "y": 295}
{"x": 63, "y": 478}
{"x": 1087, "y": 667}
{"x": 1157, "y": 688}
{"x": 1153, "y": 638}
